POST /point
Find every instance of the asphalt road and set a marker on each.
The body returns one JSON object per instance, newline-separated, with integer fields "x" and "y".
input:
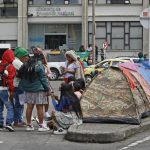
{"x": 23, "y": 140}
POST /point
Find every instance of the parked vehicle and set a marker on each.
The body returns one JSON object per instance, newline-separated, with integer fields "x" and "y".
{"x": 99, "y": 67}
{"x": 132, "y": 59}
{"x": 56, "y": 60}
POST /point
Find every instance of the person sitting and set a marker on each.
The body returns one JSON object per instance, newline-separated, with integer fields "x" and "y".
{"x": 67, "y": 110}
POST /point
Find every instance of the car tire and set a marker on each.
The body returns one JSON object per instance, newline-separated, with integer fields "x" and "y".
{"x": 88, "y": 78}
{"x": 55, "y": 73}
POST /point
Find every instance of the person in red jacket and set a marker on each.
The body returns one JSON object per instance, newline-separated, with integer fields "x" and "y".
{"x": 7, "y": 89}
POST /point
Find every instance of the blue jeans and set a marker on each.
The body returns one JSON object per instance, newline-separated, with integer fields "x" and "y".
{"x": 10, "y": 111}
{"x": 18, "y": 107}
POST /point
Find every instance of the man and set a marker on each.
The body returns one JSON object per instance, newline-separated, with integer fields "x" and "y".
{"x": 7, "y": 89}
{"x": 21, "y": 56}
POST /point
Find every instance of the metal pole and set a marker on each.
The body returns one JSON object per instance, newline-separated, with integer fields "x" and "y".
{"x": 93, "y": 32}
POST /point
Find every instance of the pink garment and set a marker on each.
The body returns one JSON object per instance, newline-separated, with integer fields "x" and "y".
{"x": 78, "y": 94}
{"x": 129, "y": 65}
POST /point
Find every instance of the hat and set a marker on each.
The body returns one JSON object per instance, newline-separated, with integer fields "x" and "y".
{"x": 20, "y": 52}
{"x": 72, "y": 54}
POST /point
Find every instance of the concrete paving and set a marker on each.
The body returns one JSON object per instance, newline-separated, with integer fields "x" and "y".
{"x": 105, "y": 133}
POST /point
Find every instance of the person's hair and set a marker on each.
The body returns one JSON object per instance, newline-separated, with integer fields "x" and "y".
{"x": 81, "y": 82}
{"x": 76, "y": 86}
{"x": 71, "y": 78}
{"x": 27, "y": 70}
{"x": 140, "y": 54}
{"x": 67, "y": 91}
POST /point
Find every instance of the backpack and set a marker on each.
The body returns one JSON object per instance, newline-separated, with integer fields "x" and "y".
{"x": 3, "y": 73}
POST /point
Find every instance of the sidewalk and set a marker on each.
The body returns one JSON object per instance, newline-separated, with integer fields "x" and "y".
{"x": 105, "y": 133}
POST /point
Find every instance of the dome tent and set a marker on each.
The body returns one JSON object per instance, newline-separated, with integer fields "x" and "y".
{"x": 112, "y": 98}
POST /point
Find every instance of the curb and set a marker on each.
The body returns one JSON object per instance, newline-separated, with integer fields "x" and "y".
{"x": 95, "y": 136}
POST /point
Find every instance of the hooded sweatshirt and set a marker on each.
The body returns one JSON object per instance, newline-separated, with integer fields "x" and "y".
{"x": 8, "y": 58}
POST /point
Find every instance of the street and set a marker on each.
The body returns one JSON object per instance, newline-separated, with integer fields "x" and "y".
{"x": 23, "y": 140}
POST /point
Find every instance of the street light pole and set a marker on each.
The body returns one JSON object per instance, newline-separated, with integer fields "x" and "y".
{"x": 93, "y": 32}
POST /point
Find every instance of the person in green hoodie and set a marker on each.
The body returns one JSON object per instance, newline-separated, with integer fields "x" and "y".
{"x": 21, "y": 56}
{"x": 35, "y": 84}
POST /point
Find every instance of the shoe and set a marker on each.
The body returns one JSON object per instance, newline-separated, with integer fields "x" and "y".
{"x": 43, "y": 128}
{"x": 10, "y": 128}
{"x": 60, "y": 131}
{"x": 30, "y": 128}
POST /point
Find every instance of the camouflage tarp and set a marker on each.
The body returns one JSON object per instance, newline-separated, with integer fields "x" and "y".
{"x": 109, "y": 98}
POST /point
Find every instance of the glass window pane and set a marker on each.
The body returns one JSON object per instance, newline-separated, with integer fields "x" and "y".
{"x": 108, "y": 27}
{"x": 135, "y": 32}
{"x": 135, "y": 24}
{"x": 57, "y": 2}
{"x": 74, "y": 1}
{"x": 136, "y": 1}
{"x": 136, "y": 44}
{"x": 90, "y": 38}
{"x": 101, "y": 32}
{"x": 74, "y": 35}
{"x": 117, "y": 32}
{"x": 117, "y": 24}
{"x": 117, "y": 44}
{"x": 101, "y": 1}
{"x": 100, "y": 24}
{"x": 90, "y": 27}
{"x": 126, "y": 27}
{"x": 127, "y": 39}
{"x": 36, "y": 35}
{"x": 38, "y": 2}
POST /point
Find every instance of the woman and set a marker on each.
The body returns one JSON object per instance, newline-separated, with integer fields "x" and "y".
{"x": 35, "y": 84}
{"x": 40, "y": 55}
{"x": 67, "y": 109}
{"x": 72, "y": 67}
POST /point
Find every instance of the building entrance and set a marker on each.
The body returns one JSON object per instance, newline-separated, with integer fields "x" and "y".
{"x": 54, "y": 41}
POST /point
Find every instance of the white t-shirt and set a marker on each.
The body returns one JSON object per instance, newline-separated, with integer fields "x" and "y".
{"x": 70, "y": 67}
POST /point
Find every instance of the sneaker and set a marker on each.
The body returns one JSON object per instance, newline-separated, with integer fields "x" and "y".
{"x": 30, "y": 128}
{"x": 60, "y": 131}
{"x": 43, "y": 128}
{"x": 10, "y": 128}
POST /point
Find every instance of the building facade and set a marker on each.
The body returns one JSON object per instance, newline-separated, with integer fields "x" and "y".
{"x": 63, "y": 24}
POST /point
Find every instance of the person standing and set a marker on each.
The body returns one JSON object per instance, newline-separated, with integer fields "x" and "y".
{"x": 72, "y": 67}
{"x": 35, "y": 84}
{"x": 21, "y": 56}
{"x": 7, "y": 89}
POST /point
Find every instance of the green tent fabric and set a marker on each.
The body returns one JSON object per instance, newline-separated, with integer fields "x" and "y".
{"x": 109, "y": 98}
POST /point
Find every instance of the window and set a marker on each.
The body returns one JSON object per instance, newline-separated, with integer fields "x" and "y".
{"x": 119, "y": 35}
{"x": 8, "y": 12}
